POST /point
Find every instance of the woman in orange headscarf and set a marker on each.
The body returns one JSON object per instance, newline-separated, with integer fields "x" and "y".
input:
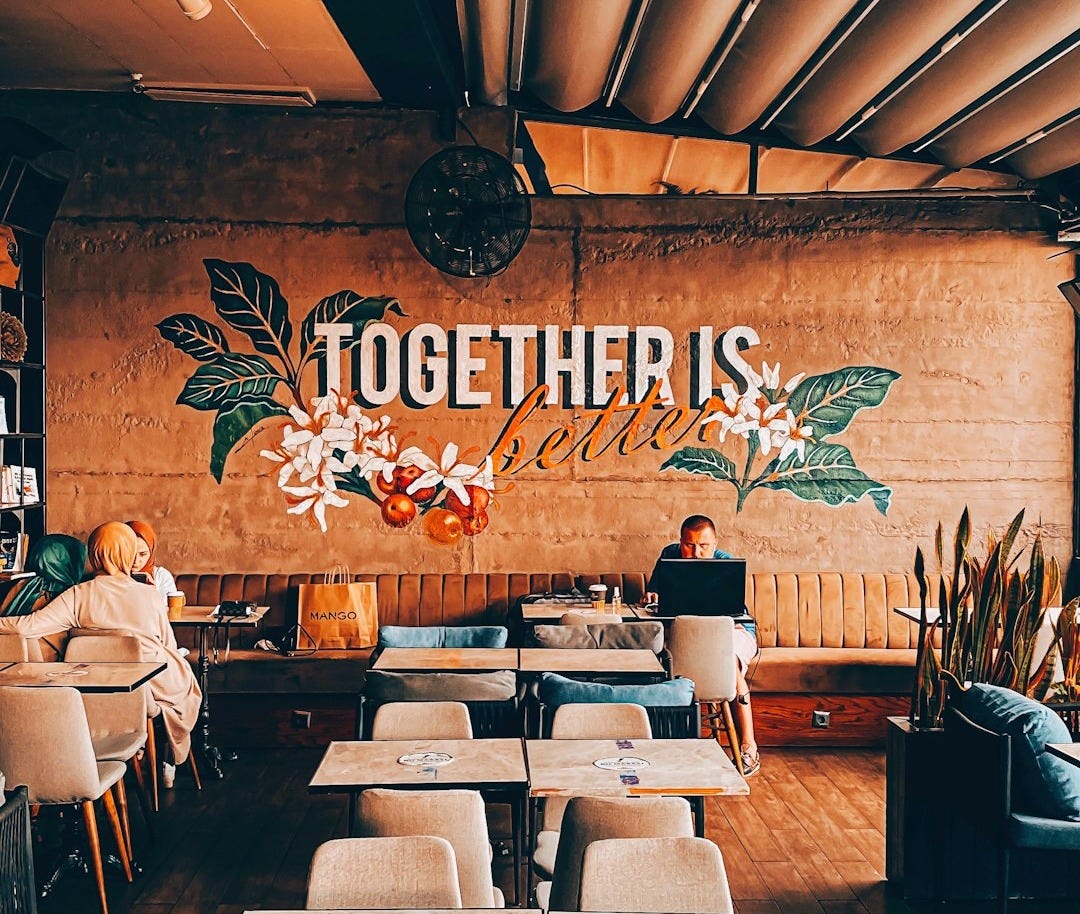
{"x": 146, "y": 560}
{"x": 113, "y": 600}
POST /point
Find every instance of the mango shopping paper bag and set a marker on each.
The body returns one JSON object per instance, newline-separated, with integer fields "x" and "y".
{"x": 339, "y": 613}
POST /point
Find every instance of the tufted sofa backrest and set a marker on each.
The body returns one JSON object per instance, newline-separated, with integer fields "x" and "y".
{"x": 793, "y": 609}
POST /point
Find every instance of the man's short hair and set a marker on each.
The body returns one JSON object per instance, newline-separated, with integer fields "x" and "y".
{"x": 697, "y": 522}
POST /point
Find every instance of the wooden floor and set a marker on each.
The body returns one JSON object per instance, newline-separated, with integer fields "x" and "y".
{"x": 808, "y": 840}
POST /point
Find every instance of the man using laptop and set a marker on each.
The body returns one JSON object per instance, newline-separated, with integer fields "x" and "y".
{"x": 697, "y": 540}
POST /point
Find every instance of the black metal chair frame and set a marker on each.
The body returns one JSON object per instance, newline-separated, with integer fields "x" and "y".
{"x": 18, "y": 894}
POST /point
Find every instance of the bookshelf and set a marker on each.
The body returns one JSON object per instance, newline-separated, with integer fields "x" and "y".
{"x": 30, "y": 193}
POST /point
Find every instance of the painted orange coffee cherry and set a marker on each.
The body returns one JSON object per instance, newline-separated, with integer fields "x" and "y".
{"x": 475, "y": 523}
{"x": 442, "y": 526}
{"x": 398, "y": 510}
{"x": 479, "y": 499}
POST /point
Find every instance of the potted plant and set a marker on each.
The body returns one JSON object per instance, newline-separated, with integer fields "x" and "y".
{"x": 990, "y": 610}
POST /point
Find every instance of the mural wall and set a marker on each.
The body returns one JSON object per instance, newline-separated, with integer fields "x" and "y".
{"x": 826, "y": 380}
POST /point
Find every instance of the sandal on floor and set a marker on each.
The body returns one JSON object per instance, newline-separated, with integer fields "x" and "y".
{"x": 751, "y": 763}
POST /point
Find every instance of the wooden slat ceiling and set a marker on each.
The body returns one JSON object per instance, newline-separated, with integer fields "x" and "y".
{"x": 882, "y": 93}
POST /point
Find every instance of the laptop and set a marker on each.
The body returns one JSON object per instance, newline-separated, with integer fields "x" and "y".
{"x": 704, "y": 587}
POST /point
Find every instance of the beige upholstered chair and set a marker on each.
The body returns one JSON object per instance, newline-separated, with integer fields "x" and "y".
{"x": 583, "y": 721}
{"x": 416, "y": 872}
{"x": 422, "y": 720}
{"x": 17, "y": 649}
{"x": 111, "y": 741}
{"x": 685, "y": 875}
{"x": 702, "y": 649}
{"x": 590, "y": 819}
{"x": 45, "y": 744}
{"x": 456, "y": 815}
{"x": 119, "y": 725}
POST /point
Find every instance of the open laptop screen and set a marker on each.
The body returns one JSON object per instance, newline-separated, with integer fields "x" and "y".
{"x": 703, "y": 587}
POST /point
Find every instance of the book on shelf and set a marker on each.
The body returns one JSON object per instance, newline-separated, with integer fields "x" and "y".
{"x": 13, "y": 548}
{"x": 19, "y": 485}
{"x": 3, "y": 417}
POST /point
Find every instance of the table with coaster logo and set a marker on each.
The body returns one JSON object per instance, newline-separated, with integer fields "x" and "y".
{"x": 691, "y": 768}
{"x": 494, "y": 766}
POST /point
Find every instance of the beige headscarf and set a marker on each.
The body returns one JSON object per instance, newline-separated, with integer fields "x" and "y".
{"x": 111, "y": 549}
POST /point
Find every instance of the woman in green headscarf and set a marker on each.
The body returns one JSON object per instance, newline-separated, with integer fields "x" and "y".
{"x": 59, "y": 562}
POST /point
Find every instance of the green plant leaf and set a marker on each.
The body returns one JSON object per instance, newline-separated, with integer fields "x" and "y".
{"x": 702, "y": 461}
{"x": 192, "y": 334}
{"x": 345, "y": 307}
{"x": 230, "y": 425}
{"x": 230, "y": 380}
{"x": 829, "y": 402}
{"x": 252, "y": 303}
{"x": 828, "y": 473}
{"x": 354, "y": 482}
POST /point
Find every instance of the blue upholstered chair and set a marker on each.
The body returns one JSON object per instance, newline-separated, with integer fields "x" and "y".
{"x": 999, "y": 759}
{"x": 442, "y": 636}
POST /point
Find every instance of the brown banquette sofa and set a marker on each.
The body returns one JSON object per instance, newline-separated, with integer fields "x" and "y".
{"x": 829, "y": 641}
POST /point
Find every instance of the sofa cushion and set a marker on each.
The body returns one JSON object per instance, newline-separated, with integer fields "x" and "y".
{"x": 385, "y": 686}
{"x": 442, "y": 636}
{"x": 648, "y": 636}
{"x": 1046, "y": 785}
{"x": 557, "y": 690}
{"x": 839, "y": 670}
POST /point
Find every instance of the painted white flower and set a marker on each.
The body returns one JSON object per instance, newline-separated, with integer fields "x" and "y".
{"x": 797, "y": 436}
{"x": 314, "y": 498}
{"x": 730, "y": 415}
{"x": 447, "y": 471}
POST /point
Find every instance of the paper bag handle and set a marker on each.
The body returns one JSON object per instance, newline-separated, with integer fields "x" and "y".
{"x": 339, "y": 574}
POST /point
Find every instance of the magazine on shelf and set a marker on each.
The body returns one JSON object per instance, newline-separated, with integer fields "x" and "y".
{"x": 13, "y": 548}
{"x": 19, "y": 485}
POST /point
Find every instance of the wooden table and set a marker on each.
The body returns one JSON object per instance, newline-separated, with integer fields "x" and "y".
{"x": 91, "y": 676}
{"x": 1070, "y": 752}
{"x": 490, "y": 765}
{"x": 204, "y": 618}
{"x": 447, "y": 659}
{"x": 691, "y": 768}
{"x": 539, "y": 612}
{"x": 624, "y": 663}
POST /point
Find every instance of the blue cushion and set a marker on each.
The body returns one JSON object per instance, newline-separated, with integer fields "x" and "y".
{"x": 442, "y": 636}
{"x": 557, "y": 690}
{"x": 474, "y": 636}
{"x": 1046, "y": 785}
{"x": 1046, "y": 834}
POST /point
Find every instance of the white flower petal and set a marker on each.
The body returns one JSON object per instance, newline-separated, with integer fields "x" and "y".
{"x": 794, "y": 382}
{"x": 272, "y": 455}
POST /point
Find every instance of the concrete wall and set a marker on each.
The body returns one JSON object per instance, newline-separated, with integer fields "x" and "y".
{"x": 959, "y": 298}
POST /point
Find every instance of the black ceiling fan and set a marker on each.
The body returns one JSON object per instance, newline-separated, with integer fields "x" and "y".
{"x": 468, "y": 211}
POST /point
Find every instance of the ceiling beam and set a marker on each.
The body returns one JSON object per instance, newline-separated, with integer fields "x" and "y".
{"x": 410, "y": 49}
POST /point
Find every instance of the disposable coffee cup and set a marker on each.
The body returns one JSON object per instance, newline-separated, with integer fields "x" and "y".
{"x": 176, "y": 605}
{"x": 598, "y": 595}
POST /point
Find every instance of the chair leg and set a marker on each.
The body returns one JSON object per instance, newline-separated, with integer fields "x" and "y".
{"x": 1003, "y": 879}
{"x": 151, "y": 754}
{"x": 118, "y": 832}
{"x": 125, "y": 819}
{"x": 733, "y": 737}
{"x": 194, "y": 770}
{"x": 90, "y": 822}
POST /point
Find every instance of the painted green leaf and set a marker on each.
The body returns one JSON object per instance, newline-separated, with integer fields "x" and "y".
{"x": 252, "y": 303}
{"x": 354, "y": 482}
{"x": 703, "y": 461}
{"x": 192, "y": 334}
{"x": 230, "y": 380}
{"x": 828, "y": 473}
{"x": 231, "y": 425}
{"x": 829, "y": 402}
{"x": 345, "y": 307}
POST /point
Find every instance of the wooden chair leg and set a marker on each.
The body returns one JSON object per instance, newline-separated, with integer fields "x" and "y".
{"x": 90, "y": 822}
{"x": 142, "y": 794}
{"x": 733, "y": 737}
{"x": 151, "y": 754}
{"x": 194, "y": 769}
{"x": 118, "y": 832}
{"x": 125, "y": 819}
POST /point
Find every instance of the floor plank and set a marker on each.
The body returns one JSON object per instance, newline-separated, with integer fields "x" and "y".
{"x": 808, "y": 840}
